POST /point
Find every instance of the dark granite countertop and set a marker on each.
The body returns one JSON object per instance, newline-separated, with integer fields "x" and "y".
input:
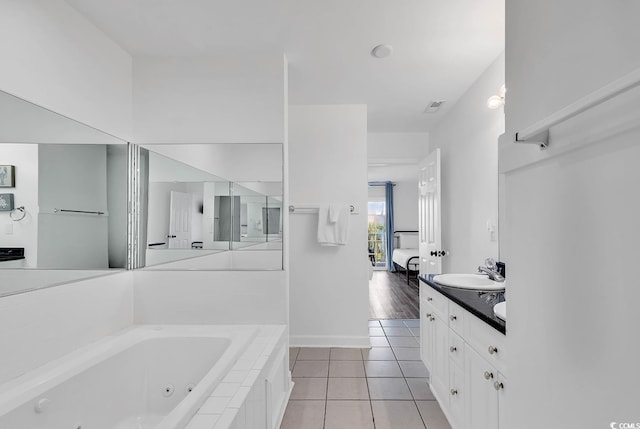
{"x": 11, "y": 258}
{"x": 11, "y": 253}
{"x": 478, "y": 303}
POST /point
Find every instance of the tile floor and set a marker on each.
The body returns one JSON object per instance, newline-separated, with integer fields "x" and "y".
{"x": 384, "y": 387}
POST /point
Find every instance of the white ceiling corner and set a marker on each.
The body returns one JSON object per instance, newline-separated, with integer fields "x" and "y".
{"x": 439, "y": 48}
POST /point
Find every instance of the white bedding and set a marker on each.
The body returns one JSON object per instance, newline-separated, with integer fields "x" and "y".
{"x": 401, "y": 256}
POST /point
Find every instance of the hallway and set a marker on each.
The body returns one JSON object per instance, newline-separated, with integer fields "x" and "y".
{"x": 391, "y": 298}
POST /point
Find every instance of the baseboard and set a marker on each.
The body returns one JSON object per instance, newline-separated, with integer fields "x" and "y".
{"x": 329, "y": 341}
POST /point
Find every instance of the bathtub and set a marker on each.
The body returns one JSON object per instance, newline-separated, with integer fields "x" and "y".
{"x": 146, "y": 377}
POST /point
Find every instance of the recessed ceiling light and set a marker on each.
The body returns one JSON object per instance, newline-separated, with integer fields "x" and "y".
{"x": 382, "y": 51}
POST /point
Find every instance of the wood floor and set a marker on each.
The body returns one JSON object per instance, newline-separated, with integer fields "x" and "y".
{"x": 391, "y": 298}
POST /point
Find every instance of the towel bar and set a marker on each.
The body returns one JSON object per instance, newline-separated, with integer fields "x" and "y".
{"x": 76, "y": 211}
{"x": 292, "y": 208}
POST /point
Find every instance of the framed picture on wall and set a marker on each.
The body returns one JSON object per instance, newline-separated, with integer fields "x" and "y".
{"x": 7, "y": 176}
{"x": 6, "y": 202}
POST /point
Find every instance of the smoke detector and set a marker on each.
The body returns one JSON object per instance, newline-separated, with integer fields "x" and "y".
{"x": 382, "y": 51}
{"x": 434, "y": 106}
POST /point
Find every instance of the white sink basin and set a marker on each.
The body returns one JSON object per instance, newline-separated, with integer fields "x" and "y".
{"x": 500, "y": 309}
{"x": 469, "y": 281}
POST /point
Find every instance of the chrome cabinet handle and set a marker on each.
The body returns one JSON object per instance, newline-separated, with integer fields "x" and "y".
{"x": 428, "y": 315}
{"x": 492, "y": 350}
{"x": 488, "y": 375}
{"x": 429, "y": 299}
{"x": 452, "y": 349}
{"x": 497, "y": 385}
{"x": 454, "y": 392}
{"x": 452, "y": 317}
{"x": 431, "y": 319}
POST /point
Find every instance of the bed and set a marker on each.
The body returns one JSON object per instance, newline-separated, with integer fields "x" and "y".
{"x": 405, "y": 254}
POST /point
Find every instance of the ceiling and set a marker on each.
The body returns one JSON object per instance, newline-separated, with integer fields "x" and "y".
{"x": 439, "y": 47}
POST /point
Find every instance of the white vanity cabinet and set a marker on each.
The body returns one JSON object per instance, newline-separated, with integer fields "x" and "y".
{"x": 466, "y": 359}
{"x": 485, "y": 385}
{"x": 434, "y": 345}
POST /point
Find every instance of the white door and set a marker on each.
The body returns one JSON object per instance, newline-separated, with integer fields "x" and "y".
{"x": 430, "y": 246}
{"x": 180, "y": 221}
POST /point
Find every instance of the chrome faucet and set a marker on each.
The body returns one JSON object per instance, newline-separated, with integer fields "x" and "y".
{"x": 491, "y": 269}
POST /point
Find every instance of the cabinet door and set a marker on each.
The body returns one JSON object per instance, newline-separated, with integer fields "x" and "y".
{"x": 457, "y": 396}
{"x": 502, "y": 399}
{"x": 440, "y": 366}
{"x": 482, "y": 403}
{"x": 427, "y": 320}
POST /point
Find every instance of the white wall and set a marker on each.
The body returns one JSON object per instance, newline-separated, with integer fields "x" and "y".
{"x": 572, "y": 218}
{"x": 560, "y": 51}
{"x": 468, "y": 139}
{"x": 25, "y": 232}
{"x": 328, "y": 285}
{"x": 405, "y": 201}
{"x": 233, "y": 162}
{"x": 227, "y": 98}
{"x": 385, "y": 147}
{"x": 209, "y": 297}
{"x": 52, "y": 56}
{"x": 40, "y": 326}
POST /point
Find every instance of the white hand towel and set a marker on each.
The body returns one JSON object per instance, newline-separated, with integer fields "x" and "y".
{"x": 334, "y": 213}
{"x": 333, "y": 228}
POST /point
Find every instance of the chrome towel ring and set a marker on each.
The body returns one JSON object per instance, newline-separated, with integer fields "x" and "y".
{"x": 18, "y": 214}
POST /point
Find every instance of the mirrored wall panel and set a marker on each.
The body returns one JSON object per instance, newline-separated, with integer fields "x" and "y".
{"x": 186, "y": 211}
{"x": 63, "y": 199}
{"x": 258, "y": 216}
{"x": 201, "y": 203}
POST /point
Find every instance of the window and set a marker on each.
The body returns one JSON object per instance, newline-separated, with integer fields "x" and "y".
{"x": 377, "y": 241}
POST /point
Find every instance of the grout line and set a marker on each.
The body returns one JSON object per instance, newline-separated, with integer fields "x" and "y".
{"x": 373, "y": 418}
{"x": 420, "y": 414}
{"x": 326, "y": 401}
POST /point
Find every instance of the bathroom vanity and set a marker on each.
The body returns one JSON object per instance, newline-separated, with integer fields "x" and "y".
{"x": 463, "y": 344}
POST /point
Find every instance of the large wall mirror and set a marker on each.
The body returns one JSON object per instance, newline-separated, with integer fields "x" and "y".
{"x": 210, "y": 207}
{"x": 63, "y": 199}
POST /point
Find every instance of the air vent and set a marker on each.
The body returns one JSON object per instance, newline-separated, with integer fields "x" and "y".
{"x": 434, "y": 106}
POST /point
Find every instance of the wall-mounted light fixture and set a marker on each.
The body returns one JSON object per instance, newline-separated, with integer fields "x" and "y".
{"x": 497, "y": 101}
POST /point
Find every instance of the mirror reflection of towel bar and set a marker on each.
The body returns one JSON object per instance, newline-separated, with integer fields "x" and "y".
{"x": 292, "y": 208}
{"x": 77, "y": 211}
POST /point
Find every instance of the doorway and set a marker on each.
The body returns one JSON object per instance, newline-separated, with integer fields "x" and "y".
{"x": 377, "y": 241}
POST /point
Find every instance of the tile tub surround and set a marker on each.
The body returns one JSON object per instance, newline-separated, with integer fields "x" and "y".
{"x": 384, "y": 387}
{"x": 236, "y": 399}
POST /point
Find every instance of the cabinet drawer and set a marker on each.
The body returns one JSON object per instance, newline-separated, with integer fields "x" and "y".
{"x": 456, "y": 349}
{"x": 438, "y": 301}
{"x": 488, "y": 342}
{"x": 456, "y": 317}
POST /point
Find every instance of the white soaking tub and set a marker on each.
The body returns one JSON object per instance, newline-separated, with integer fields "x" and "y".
{"x": 146, "y": 377}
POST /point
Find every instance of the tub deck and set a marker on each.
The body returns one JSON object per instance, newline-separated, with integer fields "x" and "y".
{"x": 144, "y": 377}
